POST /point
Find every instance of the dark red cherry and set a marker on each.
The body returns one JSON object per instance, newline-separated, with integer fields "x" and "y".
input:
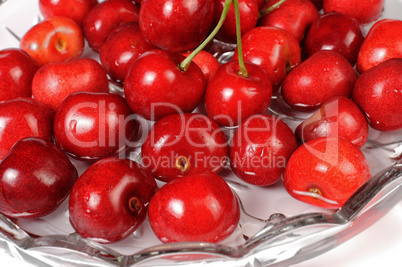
{"x": 180, "y": 143}
{"x": 109, "y": 201}
{"x": 35, "y": 178}
{"x": 196, "y": 207}
{"x": 92, "y": 126}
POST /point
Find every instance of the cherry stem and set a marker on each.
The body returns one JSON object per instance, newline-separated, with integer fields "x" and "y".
{"x": 182, "y": 164}
{"x": 242, "y": 67}
{"x": 271, "y": 8}
{"x": 186, "y": 62}
{"x": 134, "y": 204}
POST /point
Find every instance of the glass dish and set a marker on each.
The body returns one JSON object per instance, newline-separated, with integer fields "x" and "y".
{"x": 274, "y": 228}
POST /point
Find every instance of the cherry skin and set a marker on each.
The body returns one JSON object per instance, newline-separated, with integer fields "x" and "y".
{"x": 337, "y": 117}
{"x": 325, "y": 172}
{"x": 17, "y": 69}
{"x": 197, "y": 207}
{"x": 275, "y": 50}
{"x": 75, "y": 10}
{"x": 156, "y": 87}
{"x": 91, "y": 126}
{"x": 54, "y": 82}
{"x": 105, "y": 17}
{"x": 121, "y": 48}
{"x": 337, "y": 32}
{"x": 364, "y": 11}
{"x": 184, "y": 143}
{"x": 177, "y": 26}
{"x": 294, "y": 16}
{"x": 383, "y": 42}
{"x": 56, "y": 39}
{"x": 231, "y": 98}
{"x": 109, "y": 201}
{"x": 260, "y": 149}
{"x": 35, "y": 178}
{"x": 378, "y": 92}
{"x": 23, "y": 117}
{"x": 248, "y": 10}
{"x": 206, "y": 62}
{"x": 323, "y": 75}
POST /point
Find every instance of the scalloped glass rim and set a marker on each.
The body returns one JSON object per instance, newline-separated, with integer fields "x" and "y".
{"x": 280, "y": 239}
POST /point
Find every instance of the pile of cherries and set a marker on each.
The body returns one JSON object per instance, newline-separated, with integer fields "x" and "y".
{"x": 56, "y": 105}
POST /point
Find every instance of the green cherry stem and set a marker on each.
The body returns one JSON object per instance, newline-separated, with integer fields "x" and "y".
{"x": 242, "y": 67}
{"x": 271, "y": 8}
{"x": 186, "y": 62}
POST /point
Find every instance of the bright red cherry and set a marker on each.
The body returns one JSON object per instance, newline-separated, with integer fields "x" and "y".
{"x": 155, "y": 86}
{"x": 274, "y": 50}
{"x": 176, "y": 25}
{"x": 105, "y": 17}
{"x": 325, "y": 172}
{"x": 23, "y": 117}
{"x": 17, "y": 70}
{"x": 337, "y": 117}
{"x": 180, "y": 143}
{"x": 73, "y": 9}
{"x": 206, "y": 62}
{"x": 378, "y": 92}
{"x": 110, "y": 199}
{"x": 337, "y": 32}
{"x": 121, "y": 48}
{"x": 92, "y": 126}
{"x": 35, "y": 178}
{"x": 196, "y": 207}
{"x": 55, "y": 39}
{"x": 323, "y": 75}
{"x": 383, "y": 42}
{"x": 294, "y": 16}
{"x": 231, "y": 98}
{"x": 260, "y": 149}
{"x": 55, "y": 81}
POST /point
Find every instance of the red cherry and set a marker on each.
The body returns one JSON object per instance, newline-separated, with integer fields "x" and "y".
{"x": 275, "y": 50}
{"x": 155, "y": 86}
{"x": 75, "y": 9}
{"x": 121, "y": 48}
{"x": 54, "y": 82}
{"x": 378, "y": 92}
{"x": 23, "y": 117}
{"x": 325, "y": 172}
{"x": 175, "y": 25}
{"x": 35, "y": 178}
{"x": 17, "y": 69}
{"x": 383, "y": 42}
{"x": 323, "y": 75}
{"x": 231, "y": 98}
{"x": 109, "y": 201}
{"x": 55, "y": 39}
{"x": 294, "y": 16}
{"x": 260, "y": 149}
{"x": 92, "y": 126}
{"x": 105, "y": 17}
{"x": 248, "y": 10}
{"x": 337, "y": 117}
{"x": 180, "y": 143}
{"x": 197, "y": 207}
{"x": 337, "y": 32}
{"x": 206, "y": 62}
{"x": 364, "y": 11}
